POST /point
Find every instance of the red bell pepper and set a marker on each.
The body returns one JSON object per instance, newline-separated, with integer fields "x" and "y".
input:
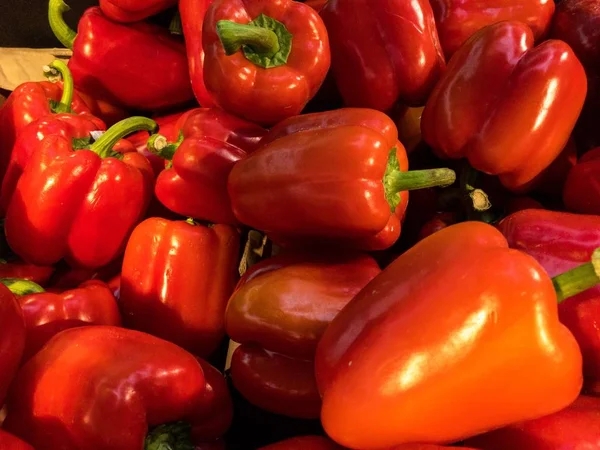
{"x": 67, "y": 277}
{"x": 194, "y": 183}
{"x": 140, "y": 384}
{"x": 23, "y": 271}
{"x": 552, "y": 179}
{"x": 192, "y": 19}
{"x": 138, "y": 66}
{"x": 310, "y": 189}
{"x": 264, "y": 60}
{"x": 176, "y": 280}
{"x": 582, "y": 192}
{"x": 575, "y": 427}
{"x": 560, "y": 241}
{"x": 480, "y": 97}
{"x": 317, "y": 5}
{"x": 47, "y": 314}
{"x": 385, "y": 52}
{"x": 127, "y": 11}
{"x": 34, "y": 100}
{"x": 415, "y": 354}
{"x": 12, "y": 338}
{"x": 457, "y": 21}
{"x": 304, "y": 443}
{"x": 10, "y": 442}
{"x": 79, "y": 205}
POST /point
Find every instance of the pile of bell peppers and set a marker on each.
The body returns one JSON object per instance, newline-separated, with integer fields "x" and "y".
{"x": 211, "y": 238}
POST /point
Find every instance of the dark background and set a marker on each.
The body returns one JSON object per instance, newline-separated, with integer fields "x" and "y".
{"x": 24, "y": 23}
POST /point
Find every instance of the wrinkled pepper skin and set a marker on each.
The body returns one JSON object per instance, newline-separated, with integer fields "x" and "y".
{"x": 192, "y": 19}
{"x": 402, "y": 364}
{"x": 575, "y": 427}
{"x": 156, "y": 383}
{"x": 12, "y": 338}
{"x": 479, "y": 97}
{"x": 69, "y": 126}
{"x": 176, "y": 280}
{"x": 275, "y": 382}
{"x": 380, "y": 59}
{"x": 559, "y": 242}
{"x": 47, "y": 314}
{"x": 285, "y": 303}
{"x": 266, "y": 95}
{"x": 458, "y": 20}
{"x": 23, "y": 271}
{"x": 76, "y": 204}
{"x": 10, "y": 442}
{"x": 127, "y": 11}
{"x": 308, "y": 188}
{"x": 581, "y": 193}
{"x": 304, "y": 443}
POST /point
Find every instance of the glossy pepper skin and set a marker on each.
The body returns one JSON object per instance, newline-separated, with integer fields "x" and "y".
{"x": 575, "y": 427}
{"x": 47, "y": 314}
{"x": 127, "y": 11}
{"x": 10, "y": 442}
{"x": 457, "y": 20}
{"x": 23, "y": 271}
{"x": 559, "y": 242}
{"x": 79, "y": 205}
{"x": 304, "y": 443}
{"x": 581, "y": 192}
{"x": 380, "y": 59}
{"x": 176, "y": 280}
{"x": 479, "y": 97}
{"x": 12, "y": 338}
{"x": 415, "y": 363}
{"x": 265, "y": 89}
{"x": 157, "y": 383}
{"x": 192, "y": 19}
{"x": 194, "y": 183}
{"x": 100, "y": 48}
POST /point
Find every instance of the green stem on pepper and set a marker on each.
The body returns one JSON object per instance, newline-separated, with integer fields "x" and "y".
{"x": 172, "y": 436}
{"x": 103, "y": 147}
{"x": 158, "y": 145}
{"x": 21, "y": 287}
{"x": 62, "y": 31}
{"x": 64, "y": 105}
{"x": 579, "y": 279}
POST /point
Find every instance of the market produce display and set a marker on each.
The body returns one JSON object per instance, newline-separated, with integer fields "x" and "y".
{"x": 304, "y": 225}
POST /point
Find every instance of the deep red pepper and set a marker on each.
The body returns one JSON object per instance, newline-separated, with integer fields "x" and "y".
{"x": 559, "y": 242}
{"x": 574, "y": 428}
{"x": 553, "y": 178}
{"x": 383, "y": 52}
{"x": 12, "y": 338}
{"x": 79, "y": 205}
{"x": 138, "y": 66}
{"x": 267, "y": 72}
{"x": 140, "y": 384}
{"x": 192, "y": 19}
{"x": 582, "y": 189}
{"x": 67, "y": 277}
{"x": 10, "y": 442}
{"x": 176, "y": 280}
{"x": 32, "y": 101}
{"x": 133, "y": 10}
{"x": 24, "y": 271}
{"x": 304, "y": 443}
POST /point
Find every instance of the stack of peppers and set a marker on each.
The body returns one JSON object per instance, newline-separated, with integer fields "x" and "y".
{"x": 192, "y": 257}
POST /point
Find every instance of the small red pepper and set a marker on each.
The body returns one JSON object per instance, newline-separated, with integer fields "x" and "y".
{"x": 192, "y": 19}
{"x": 575, "y": 427}
{"x": 138, "y": 66}
{"x": 304, "y": 443}
{"x": 177, "y": 277}
{"x": 457, "y": 21}
{"x": 194, "y": 183}
{"x": 383, "y": 52}
{"x": 22, "y": 271}
{"x": 338, "y": 176}
{"x": 582, "y": 191}
{"x": 133, "y": 10}
{"x": 264, "y": 60}
{"x": 79, "y": 205}
{"x": 47, "y": 314}
{"x": 415, "y": 354}
{"x": 12, "y": 339}
{"x": 145, "y": 391}
{"x": 10, "y": 442}
{"x": 32, "y": 101}
{"x": 480, "y": 96}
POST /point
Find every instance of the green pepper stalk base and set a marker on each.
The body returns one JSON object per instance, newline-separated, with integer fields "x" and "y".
{"x": 579, "y": 279}
{"x": 171, "y": 436}
{"x": 62, "y": 31}
{"x": 158, "y": 145}
{"x": 64, "y": 105}
{"x": 396, "y": 181}
{"x": 103, "y": 147}
{"x": 21, "y": 287}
